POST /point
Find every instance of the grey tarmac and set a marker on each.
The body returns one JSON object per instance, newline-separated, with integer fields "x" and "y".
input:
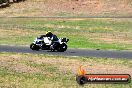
{"x": 70, "y": 52}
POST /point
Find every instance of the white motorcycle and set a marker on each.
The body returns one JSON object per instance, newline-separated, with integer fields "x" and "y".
{"x": 45, "y": 44}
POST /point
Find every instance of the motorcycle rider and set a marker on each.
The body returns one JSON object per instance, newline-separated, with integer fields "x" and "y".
{"x": 53, "y": 38}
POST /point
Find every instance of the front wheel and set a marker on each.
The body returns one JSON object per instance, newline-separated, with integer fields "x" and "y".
{"x": 34, "y": 47}
{"x": 62, "y": 48}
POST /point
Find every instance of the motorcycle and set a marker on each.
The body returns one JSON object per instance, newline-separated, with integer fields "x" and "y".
{"x": 45, "y": 44}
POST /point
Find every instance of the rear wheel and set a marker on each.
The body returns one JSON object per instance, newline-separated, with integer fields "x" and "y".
{"x": 62, "y": 48}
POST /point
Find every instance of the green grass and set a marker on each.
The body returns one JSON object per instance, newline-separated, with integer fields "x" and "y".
{"x": 44, "y": 71}
{"x": 88, "y": 33}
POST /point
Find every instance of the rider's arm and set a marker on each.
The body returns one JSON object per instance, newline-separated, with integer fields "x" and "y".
{"x": 49, "y": 38}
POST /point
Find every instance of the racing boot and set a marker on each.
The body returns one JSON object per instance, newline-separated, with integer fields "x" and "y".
{"x": 52, "y": 48}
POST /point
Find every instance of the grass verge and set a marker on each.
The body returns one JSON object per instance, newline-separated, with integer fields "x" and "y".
{"x": 83, "y": 33}
{"x": 44, "y": 71}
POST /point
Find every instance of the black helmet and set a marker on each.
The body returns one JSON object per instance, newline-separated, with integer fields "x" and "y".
{"x": 49, "y": 33}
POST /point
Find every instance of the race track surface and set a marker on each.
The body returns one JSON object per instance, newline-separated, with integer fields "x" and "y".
{"x": 70, "y": 52}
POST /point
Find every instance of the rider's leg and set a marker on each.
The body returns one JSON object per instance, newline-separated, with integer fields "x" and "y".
{"x": 52, "y": 46}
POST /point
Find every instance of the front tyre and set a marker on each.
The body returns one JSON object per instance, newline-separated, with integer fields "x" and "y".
{"x": 34, "y": 47}
{"x": 62, "y": 48}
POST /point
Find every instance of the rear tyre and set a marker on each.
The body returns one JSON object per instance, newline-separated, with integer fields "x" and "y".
{"x": 62, "y": 48}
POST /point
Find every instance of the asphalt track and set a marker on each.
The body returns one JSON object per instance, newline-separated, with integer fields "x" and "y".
{"x": 70, "y": 52}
